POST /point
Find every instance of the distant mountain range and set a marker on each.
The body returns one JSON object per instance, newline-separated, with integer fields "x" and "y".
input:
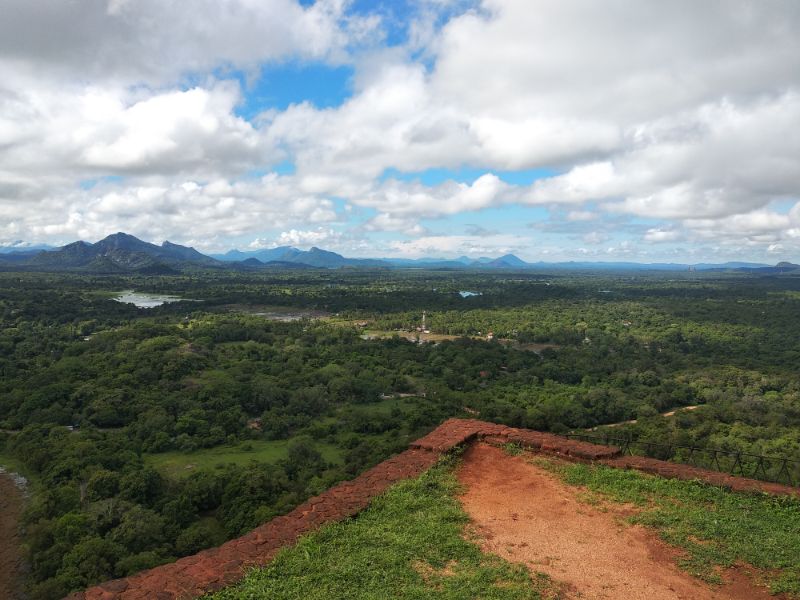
{"x": 124, "y": 253}
{"x": 20, "y": 247}
{"x": 19, "y": 252}
{"x": 315, "y": 257}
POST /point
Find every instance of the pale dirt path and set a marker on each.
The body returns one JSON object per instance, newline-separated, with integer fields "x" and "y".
{"x": 670, "y": 413}
{"x": 524, "y": 514}
{"x": 10, "y": 551}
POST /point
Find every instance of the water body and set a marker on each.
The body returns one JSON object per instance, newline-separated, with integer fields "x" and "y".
{"x": 12, "y": 491}
{"x": 466, "y": 294}
{"x": 143, "y": 300}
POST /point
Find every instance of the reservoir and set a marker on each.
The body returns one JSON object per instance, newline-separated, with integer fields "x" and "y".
{"x": 144, "y": 300}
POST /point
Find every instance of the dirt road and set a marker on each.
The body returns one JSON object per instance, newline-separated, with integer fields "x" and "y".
{"x": 525, "y": 514}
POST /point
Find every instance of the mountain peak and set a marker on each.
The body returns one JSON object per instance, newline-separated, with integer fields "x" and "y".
{"x": 121, "y": 236}
{"x": 123, "y": 241}
{"x": 507, "y": 261}
{"x": 121, "y": 252}
{"x": 512, "y": 257}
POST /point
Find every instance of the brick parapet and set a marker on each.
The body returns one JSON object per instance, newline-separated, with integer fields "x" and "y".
{"x": 672, "y": 470}
{"x": 216, "y": 568}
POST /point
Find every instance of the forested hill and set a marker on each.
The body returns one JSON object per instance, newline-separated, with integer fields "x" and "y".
{"x": 119, "y": 252}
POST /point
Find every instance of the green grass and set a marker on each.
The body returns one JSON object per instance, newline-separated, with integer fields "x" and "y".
{"x": 513, "y": 449}
{"x": 716, "y": 528}
{"x": 10, "y": 463}
{"x": 385, "y": 406}
{"x": 409, "y": 544}
{"x": 13, "y": 465}
{"x": 176, "y": 465}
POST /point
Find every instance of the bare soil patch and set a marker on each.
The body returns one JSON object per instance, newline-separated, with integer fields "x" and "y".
{"x": 11, "y": 563}
{"x": 526, "y": 515}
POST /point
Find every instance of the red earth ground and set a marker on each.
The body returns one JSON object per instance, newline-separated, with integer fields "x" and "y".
{"x": 524, "y": 514}
{"x": 10, "y": 555}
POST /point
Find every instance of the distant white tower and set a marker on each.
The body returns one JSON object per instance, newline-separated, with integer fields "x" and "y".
{"x": 423, "y": 321}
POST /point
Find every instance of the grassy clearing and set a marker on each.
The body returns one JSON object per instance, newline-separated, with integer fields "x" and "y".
{"x": 10, "y": 463}
{"x": 408, "y": 544}
{"x": 13, "y": 465}
{"x": 386, "y": 405}
{"x": 175, "y": 465}
{"x": 716, "y": 528}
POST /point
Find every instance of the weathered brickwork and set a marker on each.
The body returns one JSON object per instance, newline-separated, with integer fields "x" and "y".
{"x": 215, "y": 568}
{"x": 677, "y": 471}
{"x": 456, "y": 432}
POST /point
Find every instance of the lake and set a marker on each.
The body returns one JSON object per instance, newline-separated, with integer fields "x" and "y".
{"x": 142, "y": 300}
{"x": 466, "y": 294}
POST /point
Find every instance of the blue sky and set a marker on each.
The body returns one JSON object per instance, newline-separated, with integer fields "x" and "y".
{"x": 278, "y": 86}
{"x": 556, "y": 130}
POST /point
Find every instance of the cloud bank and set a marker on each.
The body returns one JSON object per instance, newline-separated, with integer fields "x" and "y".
{"x": 661, "y": 128}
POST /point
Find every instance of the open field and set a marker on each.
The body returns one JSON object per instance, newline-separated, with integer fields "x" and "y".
{"x": 182, "y": 464}
{"x": 377, "y": 334}
{"x": 387, "y": 404}
{"x": 276, "y": 313}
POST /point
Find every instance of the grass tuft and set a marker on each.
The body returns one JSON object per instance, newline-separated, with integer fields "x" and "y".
{"x": 513, "y": 448}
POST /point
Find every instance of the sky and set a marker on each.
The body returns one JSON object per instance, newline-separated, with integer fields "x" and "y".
{"x": 643, "y": 131}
